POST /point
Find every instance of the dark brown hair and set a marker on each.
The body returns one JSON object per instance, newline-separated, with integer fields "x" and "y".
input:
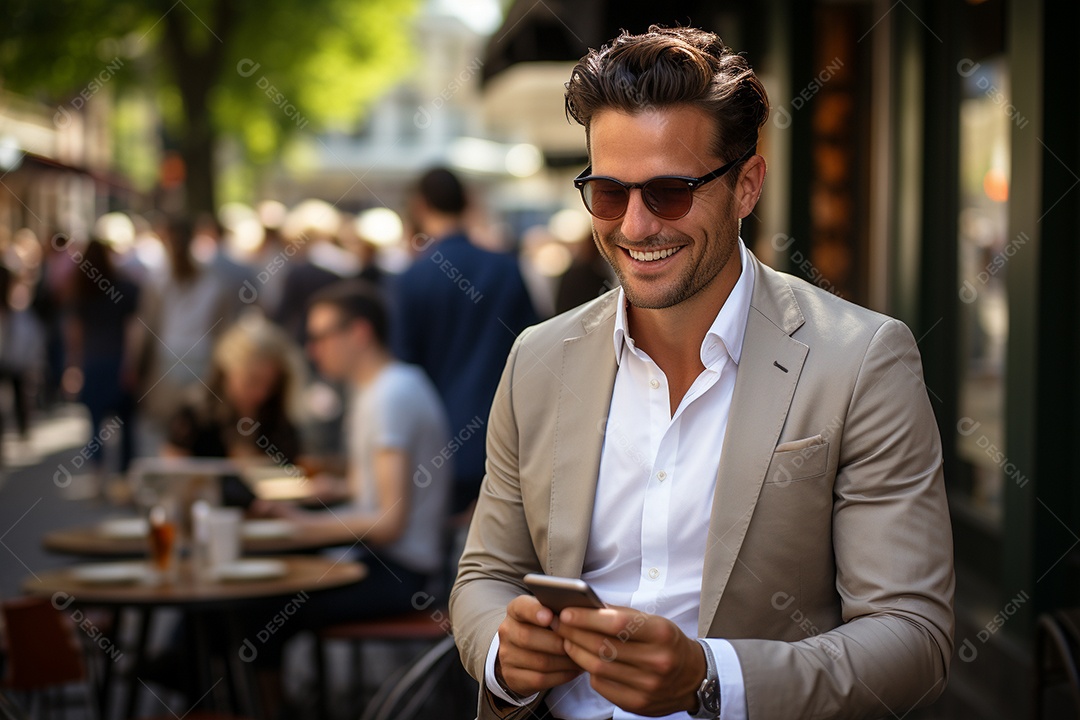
{"x": 356, "y": 300}
{"x": 672, "y": 66}
{"x": 442, "y": 191}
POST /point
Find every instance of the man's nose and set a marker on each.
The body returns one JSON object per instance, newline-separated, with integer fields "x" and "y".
{"x": 639, "y": 222}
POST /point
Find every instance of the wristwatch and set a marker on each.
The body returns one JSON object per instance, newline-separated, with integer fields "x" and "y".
{"x": 708, "y": 694}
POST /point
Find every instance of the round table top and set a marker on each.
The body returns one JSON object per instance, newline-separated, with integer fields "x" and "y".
{"x": 95, "y": 541}
{"x": 289, "y": 575}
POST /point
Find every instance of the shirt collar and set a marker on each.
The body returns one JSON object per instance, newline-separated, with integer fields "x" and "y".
{"x": 725, "y": 335}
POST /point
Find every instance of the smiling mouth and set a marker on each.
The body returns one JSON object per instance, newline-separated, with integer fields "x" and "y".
{"x": 654, "y": 254}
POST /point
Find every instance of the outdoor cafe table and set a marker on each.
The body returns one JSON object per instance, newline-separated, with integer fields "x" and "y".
{"x": 198, "y": 598}
{"x": 96, "y": 541}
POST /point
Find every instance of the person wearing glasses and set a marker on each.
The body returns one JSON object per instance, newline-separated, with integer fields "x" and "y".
{"x": 398, "y": 473}
{"x": 745, "y": 468}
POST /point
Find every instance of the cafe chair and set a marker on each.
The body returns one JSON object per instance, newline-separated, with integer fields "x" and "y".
{"x": 44, "y": 657}
{"x": 9, "y": 710}
{"x": 434, "y": 684}
{"x": 1057, "y": 668}
{"x": 429, "y": 625}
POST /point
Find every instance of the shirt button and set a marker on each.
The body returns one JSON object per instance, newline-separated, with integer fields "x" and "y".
{"x": 654, "y": 573}
{"x": 654, "y": 383}
{"x": 662, "y": 476}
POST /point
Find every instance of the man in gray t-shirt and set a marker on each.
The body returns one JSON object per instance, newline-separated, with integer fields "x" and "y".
{"x": 396, "y": 432}
{"x": 395, "y": 425}
{"x": 399, "y": 464}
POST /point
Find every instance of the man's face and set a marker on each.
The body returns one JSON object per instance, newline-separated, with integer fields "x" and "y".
{"x": 696, "y": 247}
{"x": 329, "y": 341}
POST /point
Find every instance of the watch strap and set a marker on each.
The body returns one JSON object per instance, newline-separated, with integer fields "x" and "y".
{"x": 708, "y": 693}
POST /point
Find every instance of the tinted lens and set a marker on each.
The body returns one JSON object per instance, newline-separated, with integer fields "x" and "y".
{"x": 605, "y": 199}
{"x": 668, "y": 198}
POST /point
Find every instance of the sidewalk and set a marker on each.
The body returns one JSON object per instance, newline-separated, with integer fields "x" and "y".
{"x": 36, "y": 496}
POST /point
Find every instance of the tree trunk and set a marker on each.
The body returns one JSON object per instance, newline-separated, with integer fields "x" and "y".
{"x": 197, "y": 150}
{"x": 196, "y": 73}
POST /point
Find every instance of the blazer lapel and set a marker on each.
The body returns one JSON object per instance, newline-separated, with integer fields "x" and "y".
{"x": 768, "y": 373}
{"x": 587, "y": 375}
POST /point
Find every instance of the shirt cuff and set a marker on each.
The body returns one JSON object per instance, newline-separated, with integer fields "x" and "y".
{"x": 732, "y": 690}
{"x": 497, "y": 690}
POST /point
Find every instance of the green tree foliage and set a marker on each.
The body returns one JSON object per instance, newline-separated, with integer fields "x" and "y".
{"x": 257, "y": 70}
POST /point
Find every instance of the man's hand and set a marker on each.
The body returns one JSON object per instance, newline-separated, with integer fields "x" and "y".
{"x": 531, "y": 656}
{"x": 274, "y": 509}
{"x": 642, "y": 663}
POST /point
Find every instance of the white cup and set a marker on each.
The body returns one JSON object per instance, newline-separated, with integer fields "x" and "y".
{"x": 222, "y": 537}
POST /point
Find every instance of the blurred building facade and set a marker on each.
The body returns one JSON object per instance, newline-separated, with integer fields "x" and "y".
{"x": 56, "y": 164}
{"x": 434, "y": 116}
{"x": 923, "y": 161}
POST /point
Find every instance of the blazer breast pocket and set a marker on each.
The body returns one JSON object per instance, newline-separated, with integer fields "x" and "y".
{"x": 798, "y": 460}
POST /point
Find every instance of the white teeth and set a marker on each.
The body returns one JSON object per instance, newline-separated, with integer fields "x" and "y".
{"x": 653, "y": 255}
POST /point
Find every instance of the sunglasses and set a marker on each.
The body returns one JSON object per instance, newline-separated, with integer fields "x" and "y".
{"x": 667, "y": 196}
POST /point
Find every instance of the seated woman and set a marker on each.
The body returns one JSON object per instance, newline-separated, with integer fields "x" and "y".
{"x": 248, "y": 407}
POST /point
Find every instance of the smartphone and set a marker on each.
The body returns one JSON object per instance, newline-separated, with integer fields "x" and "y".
{"x": 557, "y": 593}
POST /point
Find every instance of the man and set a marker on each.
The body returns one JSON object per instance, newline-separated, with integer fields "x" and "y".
{"x": 458, "y": 309}
{"x": 396, "y": 436}
{"x": 399, "y": 488}
{"x": 744, "y": 467}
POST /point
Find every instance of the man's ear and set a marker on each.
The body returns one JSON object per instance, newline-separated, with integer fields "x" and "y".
{"x": 748, "y": 186}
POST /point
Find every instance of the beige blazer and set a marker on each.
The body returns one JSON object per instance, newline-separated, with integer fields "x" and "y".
{"x": 829, "y": 562}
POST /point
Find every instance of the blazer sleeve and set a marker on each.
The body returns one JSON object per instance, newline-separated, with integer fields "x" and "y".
{"x": 892, "y": 541}
{"x": 488, "y": 581}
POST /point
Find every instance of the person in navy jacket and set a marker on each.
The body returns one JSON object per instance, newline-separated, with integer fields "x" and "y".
{"x": 457, "y": 311}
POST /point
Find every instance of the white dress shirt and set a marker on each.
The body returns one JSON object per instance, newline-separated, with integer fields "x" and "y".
{"x": 654, "y": 496}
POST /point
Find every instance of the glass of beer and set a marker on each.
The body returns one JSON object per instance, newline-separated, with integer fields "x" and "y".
{"x": 164, "y": 549}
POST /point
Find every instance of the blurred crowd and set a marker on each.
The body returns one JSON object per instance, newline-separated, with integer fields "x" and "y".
{"x": 361, "y": 351}
{"x": 163, "y": 326}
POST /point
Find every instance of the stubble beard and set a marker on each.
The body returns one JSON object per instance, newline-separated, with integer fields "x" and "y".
{"x": 692, "y": 279}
